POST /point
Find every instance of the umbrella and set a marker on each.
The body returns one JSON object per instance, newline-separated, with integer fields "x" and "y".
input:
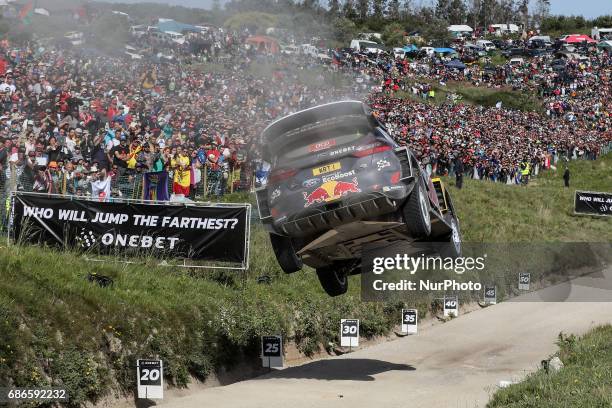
{"x": 455, "y": 64}
{"x": 578, "y": 38}
{"x": 444, "y": 50}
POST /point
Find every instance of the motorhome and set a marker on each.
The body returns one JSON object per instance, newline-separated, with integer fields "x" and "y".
{"x": 601, "y": 34}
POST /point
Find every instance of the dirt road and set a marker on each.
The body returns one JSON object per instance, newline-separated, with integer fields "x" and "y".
{"x": 456, "y": 364}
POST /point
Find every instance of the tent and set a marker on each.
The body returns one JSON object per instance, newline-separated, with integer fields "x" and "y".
{"x": 444, "y": 50}
{"x": 264, "y": 44}
{"x": 578, "y": 38}
{"x": 165, "y": 26}
{"x": 455, "y": 64}
{"x": 460, "y": 28}
{"x": 410, "y": 48}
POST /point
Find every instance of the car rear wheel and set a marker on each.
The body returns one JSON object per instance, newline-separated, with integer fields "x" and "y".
{"x": 416, "y": 212}
{"x": 334, "y": 280}
{"x": 285, "y": 252}
{"x": 452, "y": 248}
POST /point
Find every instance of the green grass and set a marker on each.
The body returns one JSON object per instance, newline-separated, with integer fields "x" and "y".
{"x": 57, "y": 328}
{"x": 585, "y": 381}
{"x": 480, "y": 96}
{"x": 540, "y": 211}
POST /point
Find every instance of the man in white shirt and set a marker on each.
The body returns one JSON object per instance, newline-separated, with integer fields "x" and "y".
{"x": 101, "y": 186}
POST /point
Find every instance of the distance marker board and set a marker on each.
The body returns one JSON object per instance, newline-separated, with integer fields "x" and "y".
{"x": 150, "y": 378}
{"x": 451, "y": 306}
{"x": 272, "y": 351}
{"x": 490, "y": 295}
{"x": 410, "y": 321}
{"x": 349, "y": 332}
{"x": 524, "y": 280}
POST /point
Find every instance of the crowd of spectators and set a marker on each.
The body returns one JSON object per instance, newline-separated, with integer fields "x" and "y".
{"x": 85, "y": 124}
{"x": 494, "y": 143}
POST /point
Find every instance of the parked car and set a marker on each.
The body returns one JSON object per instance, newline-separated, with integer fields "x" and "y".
{"x": 338, "y": 181}
{"x": 289, "y": 50}
{"x": 511, "y": 52}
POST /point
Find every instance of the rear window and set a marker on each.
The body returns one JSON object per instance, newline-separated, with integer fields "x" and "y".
{"x": 307, "y": 146}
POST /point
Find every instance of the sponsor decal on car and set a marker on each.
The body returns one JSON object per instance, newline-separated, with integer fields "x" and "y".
{"x": 275, "y": 194}
{"x": 391, "y": 188}
{"x": 328, "y": 168}
{"x": 338, "y": 175}
{"x": 311, "y": 182}
{"x": 382, "y": 163}
{"x": 326, "y": 144}
{"x": 342, "y": 150}
{"x": 331, "y": 190}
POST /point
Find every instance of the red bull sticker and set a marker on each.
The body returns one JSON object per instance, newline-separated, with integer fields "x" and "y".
{"x": 331, "y": 190}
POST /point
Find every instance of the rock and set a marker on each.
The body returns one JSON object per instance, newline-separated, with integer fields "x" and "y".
{"x": 555, "y": 364}
{"x": 114, "y": 344}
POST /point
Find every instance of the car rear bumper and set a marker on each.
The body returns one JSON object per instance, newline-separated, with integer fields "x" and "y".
{"x": 365, "y": 206}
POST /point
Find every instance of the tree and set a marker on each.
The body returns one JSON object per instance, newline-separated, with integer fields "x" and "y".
{"x": 542, "y": 10}
{"x": 394, "y": 10}
{"x": 311, "y": 4}
{"x": 348, "y": 10}
{"x": 393, "y": 35}
{"x": 456, "y": 12}
{"x": 504, "y": 12}
{"x": 344, "y": 29}
{"x": 363, "y": 8}
{"x": 378, "y": 8}
{"x": 443, "y": 9}
{"x": 334, "y": 7}
{"x": 523, "y": 10}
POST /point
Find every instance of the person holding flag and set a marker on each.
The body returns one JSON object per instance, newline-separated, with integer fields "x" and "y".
{"x": 181, "y": 165}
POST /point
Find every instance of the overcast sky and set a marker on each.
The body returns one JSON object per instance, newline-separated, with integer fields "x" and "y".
{"x": 587, "y": 8}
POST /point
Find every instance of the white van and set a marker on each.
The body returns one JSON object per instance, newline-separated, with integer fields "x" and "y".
{"x": 362, "y": 45}
{"x": 486, "y": 44}
{"x": 309, "y": 49}
{"x": 399, "y": 53}
{"x": 175, "y": 37}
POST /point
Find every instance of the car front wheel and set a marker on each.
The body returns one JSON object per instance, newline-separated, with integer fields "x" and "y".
{"x": 334, "y": 280}
{"x": 286, "y": 255}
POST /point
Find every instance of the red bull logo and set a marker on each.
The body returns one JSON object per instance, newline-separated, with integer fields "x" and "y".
{"x": 331, "y": 190}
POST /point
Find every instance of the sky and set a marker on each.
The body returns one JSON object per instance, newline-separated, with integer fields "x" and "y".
{"x": 587, "y": 8}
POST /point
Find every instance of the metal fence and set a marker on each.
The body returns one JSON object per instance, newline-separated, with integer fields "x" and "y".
{"x": 210, "y": 184}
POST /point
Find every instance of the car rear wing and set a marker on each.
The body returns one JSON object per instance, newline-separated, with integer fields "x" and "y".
{"x": 312, "y": 120}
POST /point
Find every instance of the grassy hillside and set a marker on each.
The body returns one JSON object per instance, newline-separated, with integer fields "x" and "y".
{"x": 540, "y": 211}
{"x": 58, "y": 328}
{"x": 585, "y": 381}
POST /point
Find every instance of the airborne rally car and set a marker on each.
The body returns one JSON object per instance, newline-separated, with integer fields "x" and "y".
{"x": 338, "y": 181}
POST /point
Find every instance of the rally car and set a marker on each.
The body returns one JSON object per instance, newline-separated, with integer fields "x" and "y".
{"x": 339, "y": 182}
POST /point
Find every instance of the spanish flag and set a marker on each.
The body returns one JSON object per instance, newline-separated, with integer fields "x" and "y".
{"x": 25, "y": 14}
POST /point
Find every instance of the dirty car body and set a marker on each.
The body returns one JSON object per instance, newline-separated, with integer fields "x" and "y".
{"x": 338, "y": 181}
